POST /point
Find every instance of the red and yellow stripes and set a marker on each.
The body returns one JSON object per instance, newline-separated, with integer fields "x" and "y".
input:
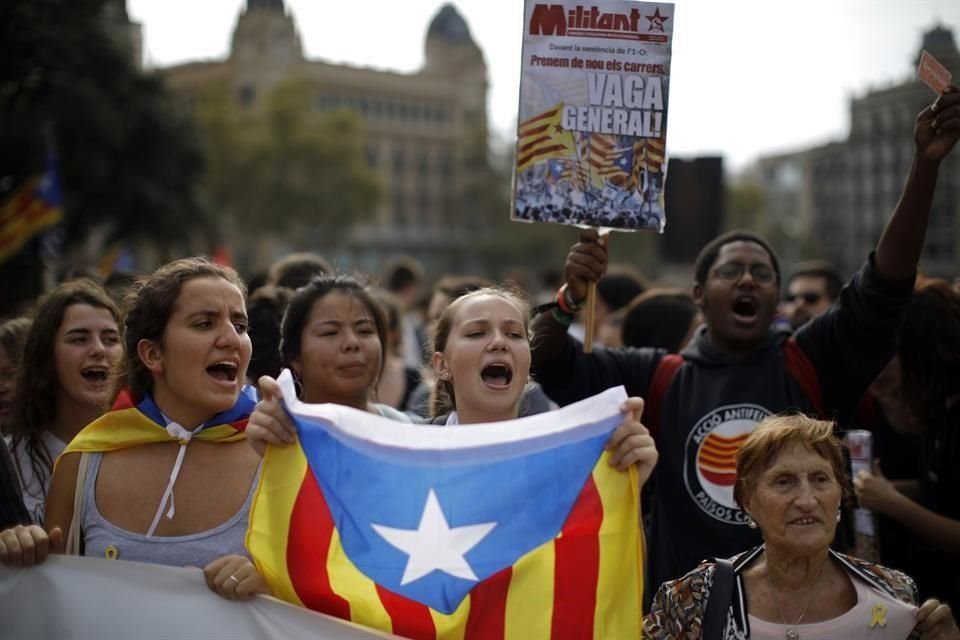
{"x": 717, "y": 458}
{"x": 542, "y": 137}
{"x": 592, "y": 570}
{"x": 23, "y": 216}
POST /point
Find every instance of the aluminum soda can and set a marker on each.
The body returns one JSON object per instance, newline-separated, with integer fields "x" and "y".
{"x": 866, "y": 544}
{"x": 860, "y": 443}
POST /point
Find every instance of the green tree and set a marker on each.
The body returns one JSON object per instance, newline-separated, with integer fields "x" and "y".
{"x": 745, "y": 203}
{"x": 287, "y": 169}
{"x": 507, "y": 243}
{"x": 129, "y": 163}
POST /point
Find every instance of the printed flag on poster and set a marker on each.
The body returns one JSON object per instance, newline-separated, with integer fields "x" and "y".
{"x": 33, "y": 207}
{"x": 513, "y": 529}
{"x": 591, "y": 143}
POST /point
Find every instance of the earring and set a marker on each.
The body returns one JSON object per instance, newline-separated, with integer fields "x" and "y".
{"x": 751, "y": 522}
{"x": 445, "y": 375}
{"x": 839, "y": 514}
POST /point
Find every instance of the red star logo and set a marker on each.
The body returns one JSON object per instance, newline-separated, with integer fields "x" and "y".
{"x": 557, "y": 128}
{"x": 656, "y": 21}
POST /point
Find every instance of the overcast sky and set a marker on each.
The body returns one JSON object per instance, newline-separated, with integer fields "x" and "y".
{"x": 748, "y": 78}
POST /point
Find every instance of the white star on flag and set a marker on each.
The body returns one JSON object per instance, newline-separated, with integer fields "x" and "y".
{"x": 433, "y": 545}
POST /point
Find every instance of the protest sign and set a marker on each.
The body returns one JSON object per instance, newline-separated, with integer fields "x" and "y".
{"x": 591, "y": 138}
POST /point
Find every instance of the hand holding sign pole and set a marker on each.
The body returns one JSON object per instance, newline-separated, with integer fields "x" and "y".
{"x": 591, "y": 140}
{"x": 590, "y": 310}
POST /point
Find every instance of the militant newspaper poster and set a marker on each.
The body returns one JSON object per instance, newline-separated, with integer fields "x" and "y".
{"x": 591, "y": 139}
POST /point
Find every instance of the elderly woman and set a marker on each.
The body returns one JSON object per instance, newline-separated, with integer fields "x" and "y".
{"x": 790, "y": 474}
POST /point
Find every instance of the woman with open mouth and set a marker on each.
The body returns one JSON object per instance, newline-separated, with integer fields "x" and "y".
{"x": 73, "y": 348}
{"x": 481, "y": 347}
{"x": 481, "y": 357}
{"x": 169, "y": 480}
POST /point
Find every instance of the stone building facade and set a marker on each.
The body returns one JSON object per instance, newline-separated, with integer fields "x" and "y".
{"x": 842, "y": 193}
{"x": 423, "y": 132}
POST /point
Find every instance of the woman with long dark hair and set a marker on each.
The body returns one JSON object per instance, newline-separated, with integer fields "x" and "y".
{"x": 73, "y": 351}
{"x": 141, "y": 496}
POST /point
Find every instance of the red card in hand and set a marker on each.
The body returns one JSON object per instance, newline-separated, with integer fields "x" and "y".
{"x": 934, "y": 74}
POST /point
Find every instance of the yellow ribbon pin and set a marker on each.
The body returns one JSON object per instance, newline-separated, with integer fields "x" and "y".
{"x": 878, "y": 616}
{"x": 111, "y": 553}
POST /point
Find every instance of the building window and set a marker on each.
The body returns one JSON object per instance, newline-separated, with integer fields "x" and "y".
{"x": 398, "y": 162}
{"x": 446, "y": 165}
{"x": 373, "y": 155}
{"x": 326, "y": 101}
{"x": 399, "y": 208}
{"x": 423, "y": 208}
{"x": 423, "y": 164}
{"x": 247, "y": 95}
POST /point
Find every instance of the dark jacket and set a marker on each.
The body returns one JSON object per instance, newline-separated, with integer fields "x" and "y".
{"x": 12, "y": 511}
{"x": 716, "y": 399}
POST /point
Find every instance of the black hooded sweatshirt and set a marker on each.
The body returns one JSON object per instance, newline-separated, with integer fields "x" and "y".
{"x": 715, "y": 399}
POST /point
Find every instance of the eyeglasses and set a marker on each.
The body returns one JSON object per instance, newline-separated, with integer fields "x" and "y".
{"x": 808, "y": 297}
{"x": 733, "y": 271}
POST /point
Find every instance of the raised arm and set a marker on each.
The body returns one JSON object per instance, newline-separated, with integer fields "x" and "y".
{"x": 935, "y": 134}
{"x": 586, "y": 263}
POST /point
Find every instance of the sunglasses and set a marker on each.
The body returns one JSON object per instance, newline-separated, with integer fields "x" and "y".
{"x": 808, "y": 297}
{"x": 733, "y": 271}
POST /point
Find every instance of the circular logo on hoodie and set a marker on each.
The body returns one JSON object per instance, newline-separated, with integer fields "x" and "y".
{"x": 709, "y": 465}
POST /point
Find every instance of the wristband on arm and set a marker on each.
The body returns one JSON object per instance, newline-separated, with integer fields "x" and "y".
{"x": 566, "y": 304}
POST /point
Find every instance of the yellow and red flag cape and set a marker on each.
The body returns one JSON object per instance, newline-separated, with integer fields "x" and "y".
{"x": 130, "y": 426}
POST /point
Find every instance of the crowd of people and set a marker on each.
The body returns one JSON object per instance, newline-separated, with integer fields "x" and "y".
{"x": 135, "y": 418}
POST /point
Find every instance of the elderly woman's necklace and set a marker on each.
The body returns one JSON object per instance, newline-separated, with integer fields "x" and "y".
{"x": 792, "y": 633}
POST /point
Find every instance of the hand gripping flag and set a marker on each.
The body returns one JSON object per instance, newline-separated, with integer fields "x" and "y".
{"x": 516, "y": 529}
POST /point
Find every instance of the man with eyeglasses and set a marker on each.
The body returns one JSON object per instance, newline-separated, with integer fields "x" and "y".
{"x": 812, "y": 288}
{"x": 739, "y": 369}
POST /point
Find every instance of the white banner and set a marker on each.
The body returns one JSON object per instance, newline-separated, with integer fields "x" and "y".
{"x": 69, "y": 597}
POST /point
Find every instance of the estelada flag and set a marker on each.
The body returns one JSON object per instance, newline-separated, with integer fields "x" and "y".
{"x": 33, "y": 207}
{"x": 542, "y": 137}
{"x": 516, "y": 529}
